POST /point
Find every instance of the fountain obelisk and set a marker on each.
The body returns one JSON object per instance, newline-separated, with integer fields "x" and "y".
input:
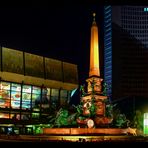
{"x": 94, "y": 50}
{"x": 94, "y": 82}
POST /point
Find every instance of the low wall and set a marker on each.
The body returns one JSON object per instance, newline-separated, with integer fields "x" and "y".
{"x": 84, "y": 131}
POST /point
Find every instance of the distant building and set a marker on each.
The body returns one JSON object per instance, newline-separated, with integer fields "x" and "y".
{"x": 126, "y": 51}
{"x": 126, "y": 57}
{"x": 31, "y": 87}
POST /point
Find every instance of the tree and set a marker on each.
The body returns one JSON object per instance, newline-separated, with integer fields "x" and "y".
{"x": 138, "y": 120}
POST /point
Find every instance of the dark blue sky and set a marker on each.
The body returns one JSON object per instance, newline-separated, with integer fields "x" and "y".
{"x": 56, "y": 31}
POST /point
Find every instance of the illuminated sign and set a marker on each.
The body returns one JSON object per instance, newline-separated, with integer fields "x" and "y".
{"x": 145, "y": 9}
{"x": 145, "y": 123}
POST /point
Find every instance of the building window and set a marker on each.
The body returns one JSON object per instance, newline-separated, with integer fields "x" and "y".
{"x": 145, "y": 9}
{"x": 26, "y": 97}
{"x": 4, "y": 94}
{"x": 54, "y": 98}
{"x": 15, "y": 95}
{"x": 45, "y": 103}
{"x": 36, "y": 97}
{"x": 63, "y": 97}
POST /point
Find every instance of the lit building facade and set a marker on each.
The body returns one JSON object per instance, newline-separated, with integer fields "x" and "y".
{"x": 126, "y": 51}
{"x": 32, "y": 87}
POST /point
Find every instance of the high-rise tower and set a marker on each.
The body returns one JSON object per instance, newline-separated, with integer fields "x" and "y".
{"x": 125, "y": 56}
{"x": 126, "y": 50}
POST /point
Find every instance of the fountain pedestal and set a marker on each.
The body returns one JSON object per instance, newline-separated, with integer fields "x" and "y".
{"x": 94, "y": 97}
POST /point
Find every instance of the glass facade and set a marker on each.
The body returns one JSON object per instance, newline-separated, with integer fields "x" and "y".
{"x": 108, "y": 48}
{"x": 126, "y": 50}
{"x": 135, "y": 21}
{"x": 25, "y": 102}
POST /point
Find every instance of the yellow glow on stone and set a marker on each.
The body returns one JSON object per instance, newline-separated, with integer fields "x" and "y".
{"x": 94, "y": 52}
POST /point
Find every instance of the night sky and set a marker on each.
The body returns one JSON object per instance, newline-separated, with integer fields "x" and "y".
{"x": 54, "y": 31}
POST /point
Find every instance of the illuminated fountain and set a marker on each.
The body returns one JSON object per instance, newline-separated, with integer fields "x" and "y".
{"x": 93, "y": 101}
{"x": 94, "y": 110}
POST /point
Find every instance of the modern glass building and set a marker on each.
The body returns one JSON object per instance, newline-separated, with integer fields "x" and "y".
{"x": 126, "y": 51}
{"x": 108, "y": 48}
{"x": 32, "y": 88}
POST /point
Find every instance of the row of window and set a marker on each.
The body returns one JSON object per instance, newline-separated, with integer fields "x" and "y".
{"x": 144, "y": 40}
{"x": 107, "y": 8}
{"x": 130, "y": 26}
{"x": 145, "y": 9}
{"x": 140, "y": 32}
{"x": 135, "y": 21}
{"x": 132, "y": 8}
{"x": 22, "y": 96}
{"x": 107, "y": 12}
{"x": 131, "y": 46}
{"x": 134, "y": 17}
{"x": 107, "y": 16}
{"x": 135, "y": 13}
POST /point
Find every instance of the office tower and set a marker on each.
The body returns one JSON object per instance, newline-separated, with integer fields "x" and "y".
{"x": 126, "y": 51}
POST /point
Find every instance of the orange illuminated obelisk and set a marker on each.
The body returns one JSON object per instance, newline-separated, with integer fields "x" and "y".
{"x": 94, "y": 94}
{"x": 94, "y": 50}
{"x": 94, "y": 69}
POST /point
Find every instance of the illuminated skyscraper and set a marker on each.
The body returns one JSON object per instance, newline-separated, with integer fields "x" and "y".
{"x": 126, "y": 51}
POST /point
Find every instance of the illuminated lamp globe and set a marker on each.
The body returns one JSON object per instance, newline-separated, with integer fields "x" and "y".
{"x": 90, "y": 123}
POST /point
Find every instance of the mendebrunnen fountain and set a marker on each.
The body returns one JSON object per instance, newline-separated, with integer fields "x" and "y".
{"x": 93, "y": 115}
